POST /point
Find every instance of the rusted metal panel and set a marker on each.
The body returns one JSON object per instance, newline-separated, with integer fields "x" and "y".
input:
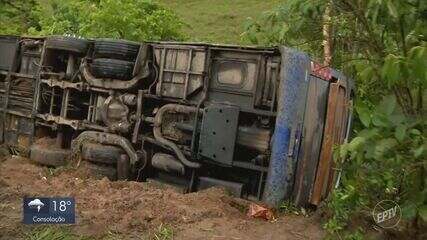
{"x": 314, "y": 120}
{"x": 181, "y": 69}
{"x": 334, "y": 134}
{"x": 21, "y": 95}
{"x": 321, "y": 71}
{"x": 340, "y": 133}
{"x": 8, "y": 48}
{"x": 18, "y": 130}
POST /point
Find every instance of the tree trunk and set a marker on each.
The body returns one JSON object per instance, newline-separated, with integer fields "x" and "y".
{"x": 327, "y": 34}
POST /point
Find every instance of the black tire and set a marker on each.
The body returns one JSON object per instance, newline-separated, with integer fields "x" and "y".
{"x": 112, "y": 68}
{"x": 99, "y": 171}
{"x": 4, "y": 153}
{"x": 99, "y": 153}
{"x": 76, "y": 45}
{"x": 53, "y": 157}
{"x": 117, "y": 49}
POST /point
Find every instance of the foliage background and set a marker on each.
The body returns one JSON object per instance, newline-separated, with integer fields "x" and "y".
{"x": 126, "y": 19}
{"x": 193, "y": 20}
{"x": 219, "y": 21}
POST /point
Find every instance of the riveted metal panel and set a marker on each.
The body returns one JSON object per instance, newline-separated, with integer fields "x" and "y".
{"x": 181, "y": 69}
{"x": 218, "y": 133}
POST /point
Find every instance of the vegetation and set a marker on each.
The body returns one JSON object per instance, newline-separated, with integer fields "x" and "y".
{"x": 193, "y": 20}
{"x": 15, "y": 16}
{"x": 127, "y": 19}
{"x": 218, "y": 21}
{"x": 382, "y": 44}
{"x": 52, "y": 233}
{"x": 164, "y": 232}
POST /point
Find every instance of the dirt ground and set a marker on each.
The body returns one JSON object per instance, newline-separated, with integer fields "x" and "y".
{"x": 133, "y": 209}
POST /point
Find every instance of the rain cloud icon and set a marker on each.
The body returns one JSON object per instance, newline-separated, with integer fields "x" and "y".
{"x": 36, "y": 203}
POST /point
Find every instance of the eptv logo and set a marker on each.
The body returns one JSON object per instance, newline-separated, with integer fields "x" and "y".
{"x": 387, "y": 214}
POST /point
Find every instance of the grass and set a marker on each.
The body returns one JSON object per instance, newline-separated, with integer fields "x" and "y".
{"x": 219, "y": 21}
{"x": 51, "y": 233}
{"x": 62, "y": 233}
{"x": 288, "y": 207}
{"x": 162, "y": 232}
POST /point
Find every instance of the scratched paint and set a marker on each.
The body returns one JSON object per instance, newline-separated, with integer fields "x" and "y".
{"x": 291, "y": 101}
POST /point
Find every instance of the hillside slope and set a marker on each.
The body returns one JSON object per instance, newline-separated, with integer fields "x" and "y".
{"x": 219, "y": 21}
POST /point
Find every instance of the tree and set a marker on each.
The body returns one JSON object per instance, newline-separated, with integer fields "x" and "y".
{"x": 15, "y": 16}
{"x": 133, "y": 20}
{"x": 375, "y": 40}
{"x": 327, "y": 34}
{"x": 382, "y": 44}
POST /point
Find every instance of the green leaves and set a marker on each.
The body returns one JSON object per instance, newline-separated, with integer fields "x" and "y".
{"x": 409, "y": 71}
{"x": 387, "y": 105}
{"x": 293, "y": 24}
{"x": 391, "y": 70}
{"x": 356, "y": 143}
{"x": 423, "y": 212}
{"x": 409, "y": 211}
{"x": 417, "y": 59}
{"x": 383, "y": 147}
{"x": 392, "y": 8}
{"x": 381, "y": 115}
{"x": 364, "y": 114}
{"x": 133, "y": 20}
{"x": 420, "y": 151}
{"x": 400, "y": 133}
{"x": 380, "y": 43}
{"x": 384, "y": 160}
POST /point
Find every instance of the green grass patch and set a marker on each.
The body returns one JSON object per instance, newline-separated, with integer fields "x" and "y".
{"x": 164, "y": 232}
{"x": 52, "y": 233}
{"x": 219, "y": 21}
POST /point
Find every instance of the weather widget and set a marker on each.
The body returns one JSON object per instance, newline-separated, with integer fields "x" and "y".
{"x": 42, "y": 210}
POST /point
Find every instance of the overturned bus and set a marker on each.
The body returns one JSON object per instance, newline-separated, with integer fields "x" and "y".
{"x": 260, "y": 122}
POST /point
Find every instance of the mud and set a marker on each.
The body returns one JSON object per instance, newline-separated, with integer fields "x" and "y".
{"x": 134, "y": 209}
